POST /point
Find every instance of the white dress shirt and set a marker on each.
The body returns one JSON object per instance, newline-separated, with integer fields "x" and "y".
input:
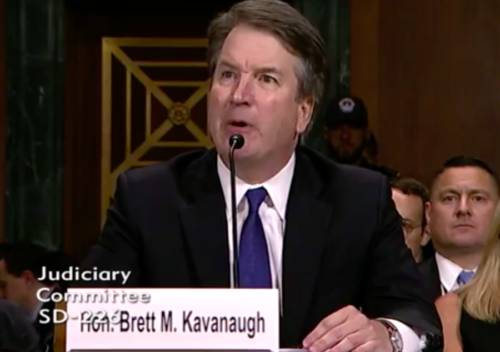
{"x": 448, "y": 273}
{"x": 272, "y": 213}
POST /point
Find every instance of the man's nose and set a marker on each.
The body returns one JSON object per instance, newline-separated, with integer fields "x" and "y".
{"x": 345, "y": 132}
{"x": 243, "y": 91}
{"x": 463, "y": 206}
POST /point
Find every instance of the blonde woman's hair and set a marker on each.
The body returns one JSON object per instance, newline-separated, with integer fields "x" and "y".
{"x": 481, "y": 296}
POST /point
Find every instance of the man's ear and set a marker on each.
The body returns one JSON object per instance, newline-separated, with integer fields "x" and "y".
{"x": 367, "y": 134}
{"x": 28, "y": 277}
{"x": 428, "y": 207}
{"x": 426, "y": 236}
{"x": 305, "y": 112}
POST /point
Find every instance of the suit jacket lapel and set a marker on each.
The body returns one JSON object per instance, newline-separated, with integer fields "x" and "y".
{"x": 204, "y": 222}
{"x": 430, "y": 273}
{"x": 308, "y": 218}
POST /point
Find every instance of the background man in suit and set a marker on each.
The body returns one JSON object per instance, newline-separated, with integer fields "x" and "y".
{"x": 410, "y": 197}
{"x": 464, "y": 195}
{"x": 327, "y": 236}
{"x": 20, "y": 269}
{"x": 16, "y": 331}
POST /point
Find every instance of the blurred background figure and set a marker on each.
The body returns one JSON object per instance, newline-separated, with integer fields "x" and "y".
{"x": 348, "y": 137}
{"x": 463, "y": 198}
{"x": 20, "y": 269}
{"x": 410, "y": 197}
{"x": 471, "y": 316}
{"x": 17, "y": 334}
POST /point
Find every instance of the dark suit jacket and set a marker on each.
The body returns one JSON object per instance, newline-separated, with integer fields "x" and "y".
{"x": 16, "y": 331}
{"x": 45, "y": 331}
{"x": 343, "y": 243}
{"x": 430, "y": 273}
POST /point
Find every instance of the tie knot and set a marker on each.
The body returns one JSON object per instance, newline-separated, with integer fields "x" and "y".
{"x": 465, "y": 276}
{"x": 255, "y": 198}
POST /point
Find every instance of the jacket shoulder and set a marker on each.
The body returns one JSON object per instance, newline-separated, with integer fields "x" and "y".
{"x": 167, "y": 171}
{"x": 347, "y": 175}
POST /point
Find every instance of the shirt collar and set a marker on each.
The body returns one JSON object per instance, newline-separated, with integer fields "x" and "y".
{"x": 278, "y": 187}
{"x": 448, "y": 272}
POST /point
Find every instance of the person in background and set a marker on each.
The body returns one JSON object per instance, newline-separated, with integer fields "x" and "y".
{"x": 464, "y": 195}
{"x": 471, "y": 315}
{"x": 17, "y": 334}
{"x": 410, "y": 197}
{"x": 347, "y": 135}
{"x": 20, "y": 269}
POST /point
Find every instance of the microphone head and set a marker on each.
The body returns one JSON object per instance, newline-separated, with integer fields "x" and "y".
{"x": 236, "y": 141}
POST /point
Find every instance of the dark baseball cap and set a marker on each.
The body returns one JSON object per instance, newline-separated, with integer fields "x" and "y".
{"x": 346, "y": 110}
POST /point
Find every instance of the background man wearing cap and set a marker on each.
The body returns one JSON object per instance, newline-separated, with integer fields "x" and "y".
{"x": 347, "y": 134}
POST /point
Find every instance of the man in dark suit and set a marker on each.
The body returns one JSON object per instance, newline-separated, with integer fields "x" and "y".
{"x": 22, "y": 267}
{"x": 16, "y": 331}
{"x": 327, "y": 236}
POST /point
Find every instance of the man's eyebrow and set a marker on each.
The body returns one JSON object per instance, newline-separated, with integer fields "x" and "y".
{"x": 269, "y": 69}
{"x": 228, "y": 64}
{"x": 263, "y": 69}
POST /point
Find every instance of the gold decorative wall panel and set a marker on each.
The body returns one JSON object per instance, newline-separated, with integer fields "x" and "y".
{"x": 153, "y": 104}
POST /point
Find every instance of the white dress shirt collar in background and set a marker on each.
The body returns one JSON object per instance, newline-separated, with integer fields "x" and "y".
{"x": 448, "y": 273}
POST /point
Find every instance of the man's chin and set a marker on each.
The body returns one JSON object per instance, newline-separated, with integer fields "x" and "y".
{"x": 466, "y": 241}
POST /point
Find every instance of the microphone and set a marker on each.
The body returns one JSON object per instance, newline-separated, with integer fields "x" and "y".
{"x": 236, "y": 141}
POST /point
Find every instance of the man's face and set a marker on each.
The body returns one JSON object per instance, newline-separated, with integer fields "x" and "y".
{"x": 462, "y": 204}
{"x": 254, "y": 93}
{"x": 15, "y": 289}
{"x": 347, "y": 142}
{"x": 411, "y": 209}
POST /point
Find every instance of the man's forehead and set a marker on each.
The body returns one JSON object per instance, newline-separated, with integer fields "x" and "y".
{"x": 464, "y": 179}
{"x": 249, "y": 48}
{"x": 399, "y": 195}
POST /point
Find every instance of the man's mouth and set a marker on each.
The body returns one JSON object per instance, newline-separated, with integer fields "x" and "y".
{"x": 464, "y": 226}
{"x": 238, "y": 124}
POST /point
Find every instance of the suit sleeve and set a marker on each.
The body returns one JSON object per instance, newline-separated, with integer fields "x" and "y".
{"x": 119, "y": 245}
{"x": 395, "y": 288}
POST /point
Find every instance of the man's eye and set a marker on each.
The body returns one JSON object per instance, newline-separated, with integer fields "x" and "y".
{"x": 268, "y": 79}
{"x": 226, "y": 74}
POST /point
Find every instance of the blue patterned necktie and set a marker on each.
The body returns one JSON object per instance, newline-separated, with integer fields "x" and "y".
{"x": 464, "y": 277}
{"x": 255, "y": 271}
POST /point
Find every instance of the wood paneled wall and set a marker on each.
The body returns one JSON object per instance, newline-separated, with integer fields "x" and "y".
{"x": 429, "y": 72}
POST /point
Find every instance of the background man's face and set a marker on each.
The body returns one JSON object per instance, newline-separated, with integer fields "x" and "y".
{"x": 411, "y": 209}
{"x": 346, "y": 142}
{"x": 462, "y": 204}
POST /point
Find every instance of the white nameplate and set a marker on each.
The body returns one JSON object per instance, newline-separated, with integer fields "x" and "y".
{"x": 172, "y": 319}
